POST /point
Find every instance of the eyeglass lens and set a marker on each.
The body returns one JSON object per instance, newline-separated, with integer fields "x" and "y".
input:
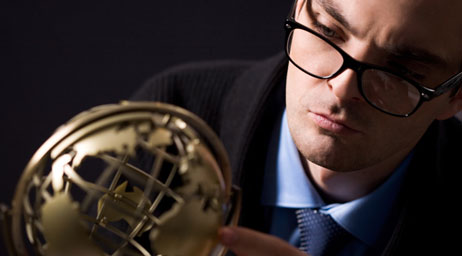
{"x": 382, "y": 89}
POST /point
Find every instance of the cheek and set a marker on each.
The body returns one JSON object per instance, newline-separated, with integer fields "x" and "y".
{"x": 392, "y": 133}
{"x": 448, "y": 107}
{"x": 438, "y": 108}
{"x": 299, "y": 88}
{"x": 292, "y": 85}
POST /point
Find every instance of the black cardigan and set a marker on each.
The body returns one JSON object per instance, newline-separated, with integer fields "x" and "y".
{"x": 241, "y": 101}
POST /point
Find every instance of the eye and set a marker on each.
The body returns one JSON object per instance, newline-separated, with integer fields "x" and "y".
{"x": 406, "y": 72}
{"x": 415, "y": 76}
{"x": 326, "y": 31}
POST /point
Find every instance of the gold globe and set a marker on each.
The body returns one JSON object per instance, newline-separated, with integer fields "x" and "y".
{"x": 136, "y": 178}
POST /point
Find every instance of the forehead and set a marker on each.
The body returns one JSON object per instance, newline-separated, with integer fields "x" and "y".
{"x": 434, "y": 26}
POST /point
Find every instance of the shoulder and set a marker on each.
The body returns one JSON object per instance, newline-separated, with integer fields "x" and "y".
{"x": 200, "y": 77}
{"x": 449, "y": 145}
{"x": 436, "y": 169}
{"x": 199, "y": 87}
{"x": 190, "y": 79}
{"x": 211, "y": 88}
{"x": 439, "y": 149}
{"x": 449, "y": 135}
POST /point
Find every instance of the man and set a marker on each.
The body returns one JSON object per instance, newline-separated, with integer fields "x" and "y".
{"x": 366, "y": 91}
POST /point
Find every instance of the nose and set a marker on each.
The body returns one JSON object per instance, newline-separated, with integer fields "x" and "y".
{"x": 345, "y": 86}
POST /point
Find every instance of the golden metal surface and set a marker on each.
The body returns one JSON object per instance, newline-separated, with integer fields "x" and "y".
{"x": 115, "y": 172}
{"x": 112, "y": 207}
{"x": 63, "y": 230}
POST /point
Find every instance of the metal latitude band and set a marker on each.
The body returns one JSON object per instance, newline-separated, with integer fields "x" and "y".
{"x": 320, "y": 235}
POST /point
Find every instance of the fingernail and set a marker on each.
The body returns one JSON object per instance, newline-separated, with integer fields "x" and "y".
{"x": 227, "y": 236}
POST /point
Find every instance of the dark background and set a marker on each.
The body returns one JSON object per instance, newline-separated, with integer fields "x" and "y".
{"x": 58, "y": 58}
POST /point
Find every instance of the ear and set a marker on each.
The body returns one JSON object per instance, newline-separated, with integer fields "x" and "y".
{"x": 454, "y": 106}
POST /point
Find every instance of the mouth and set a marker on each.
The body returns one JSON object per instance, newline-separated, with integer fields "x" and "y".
{"x": 331, "y": 124}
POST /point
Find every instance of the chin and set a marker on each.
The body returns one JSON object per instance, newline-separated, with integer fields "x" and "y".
{"x": 334, "y": 154}
{"x": 335, "y": 164}
{"x": 334, "y": 161}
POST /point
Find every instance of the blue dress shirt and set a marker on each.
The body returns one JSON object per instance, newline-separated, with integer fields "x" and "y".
{"x": 286, "y": 188}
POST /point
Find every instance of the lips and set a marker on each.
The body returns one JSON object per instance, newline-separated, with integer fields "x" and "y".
{"x": 331, "y": 124}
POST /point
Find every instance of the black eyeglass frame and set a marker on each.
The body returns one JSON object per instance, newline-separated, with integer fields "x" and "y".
{"x": 426, "y": 94}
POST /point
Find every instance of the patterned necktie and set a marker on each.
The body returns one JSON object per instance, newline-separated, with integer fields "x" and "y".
{"x": 320, "y": 235}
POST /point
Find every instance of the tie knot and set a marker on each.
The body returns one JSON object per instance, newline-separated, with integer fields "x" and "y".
{"x": 319, "y": 233}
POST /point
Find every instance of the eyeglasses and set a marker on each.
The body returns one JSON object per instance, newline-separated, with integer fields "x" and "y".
{"x": 382, "y": 88}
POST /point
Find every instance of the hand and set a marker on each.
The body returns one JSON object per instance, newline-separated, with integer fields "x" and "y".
{"x": 247, "y": 242}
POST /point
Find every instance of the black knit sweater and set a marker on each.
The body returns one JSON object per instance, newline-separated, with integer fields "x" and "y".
{"x": 241, "y": 101}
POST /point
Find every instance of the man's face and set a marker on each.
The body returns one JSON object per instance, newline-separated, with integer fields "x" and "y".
{"x": 330, "y": 122}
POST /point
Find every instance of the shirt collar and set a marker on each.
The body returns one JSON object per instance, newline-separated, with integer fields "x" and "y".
{"x": 287, "y": 186}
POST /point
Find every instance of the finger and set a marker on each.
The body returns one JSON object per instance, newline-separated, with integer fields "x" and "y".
{"x": 247, "y": 242}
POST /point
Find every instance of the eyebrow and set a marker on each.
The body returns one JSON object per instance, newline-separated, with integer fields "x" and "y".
{"x": 417, "y": 54}
{"x": 335, "y": 12}
{"x": 402, "y": 52}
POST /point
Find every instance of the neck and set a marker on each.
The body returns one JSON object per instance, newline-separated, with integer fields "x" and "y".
{"x": 339, "y": 187}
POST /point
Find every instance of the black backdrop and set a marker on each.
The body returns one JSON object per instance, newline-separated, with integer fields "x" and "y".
{"x": 58, "y": 58}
